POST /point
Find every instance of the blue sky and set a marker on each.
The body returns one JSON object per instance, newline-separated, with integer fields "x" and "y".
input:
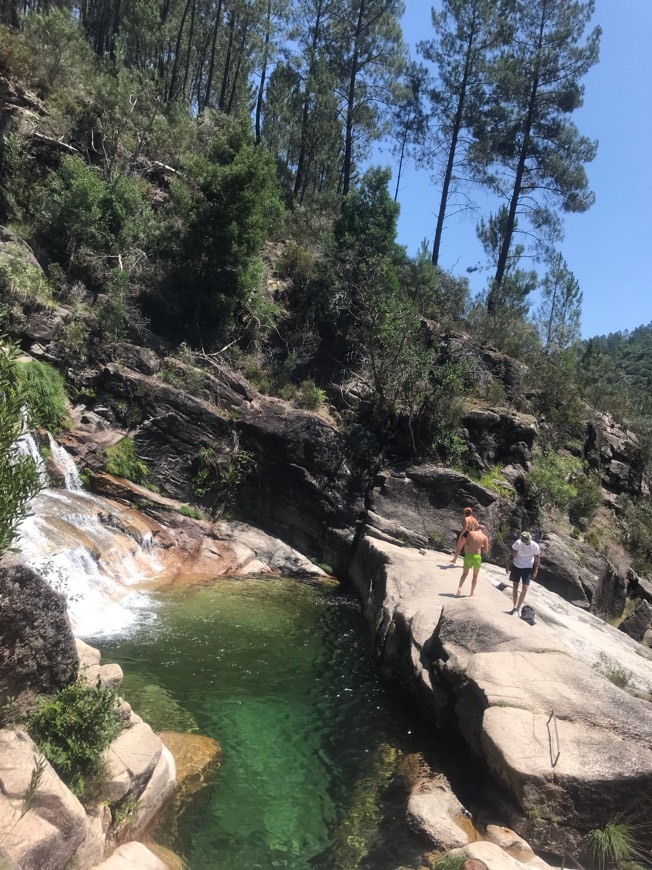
{"x": 608, "y": 247}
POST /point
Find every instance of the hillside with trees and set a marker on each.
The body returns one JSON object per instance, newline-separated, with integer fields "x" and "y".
{"x": 194, "y": 176}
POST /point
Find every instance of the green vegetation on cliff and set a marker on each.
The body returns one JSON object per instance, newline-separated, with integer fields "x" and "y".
{"x": 195, "y": 177}
{"x": 19, "y": 480}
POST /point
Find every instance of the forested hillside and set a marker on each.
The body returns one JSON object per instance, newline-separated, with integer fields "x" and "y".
{"x": 194, "y": 175}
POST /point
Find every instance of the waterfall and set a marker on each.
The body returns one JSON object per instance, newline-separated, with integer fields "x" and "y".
{"x": 27, "y": 446}
{"x": 89, "y": 549}
{"x": 65, "y": 461}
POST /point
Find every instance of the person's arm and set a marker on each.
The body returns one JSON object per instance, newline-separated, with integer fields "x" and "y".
{"x": 485, "y": 545}
{"x": 510, "y": 560}
{"x": 537, "y": 562}
{"x": 458, "y": 549}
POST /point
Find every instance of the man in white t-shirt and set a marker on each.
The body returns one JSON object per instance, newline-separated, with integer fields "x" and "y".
{"x": 523, "y": 565}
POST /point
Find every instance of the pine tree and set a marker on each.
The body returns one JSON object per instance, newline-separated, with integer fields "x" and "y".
{"x": 559, "y": 314}
{"x": 534, "y": 156}
{"x": 467, "y": 31}
{"x": 372, "y": 59}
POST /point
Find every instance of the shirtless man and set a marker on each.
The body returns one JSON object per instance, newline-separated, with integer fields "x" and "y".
{"x": 475, "y": 543}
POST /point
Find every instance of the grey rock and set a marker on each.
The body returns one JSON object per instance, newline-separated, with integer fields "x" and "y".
{"x": 427, "y": 503}
{"x": 141, "y": 359}
{"x": 38, "y": 654}
{"x": 495, "y": 679}
{"x": 639, "y": 622}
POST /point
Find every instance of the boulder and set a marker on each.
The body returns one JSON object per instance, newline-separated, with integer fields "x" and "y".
{"x": 435, "y": 813}
{"x": 38, "y": 653}
{"x": 48, "y": 833}
{"x": 495, "y": 680}
{"x": 196, "y": 759}
{"x": 424, "y": 506}
{"x": 158, "y": 791}
{"x": 95, "y": 673}
{"x": 141, "y": 359}
{"x": 639, "y": 622}
{"x": 491, "y": 856}
{"x": 132, "y": 856}
{"x": 131, "y": 760}
{"x": 562, "y": 572}
{"x": 501, "y": 437}
{"x": 91, "y": 851}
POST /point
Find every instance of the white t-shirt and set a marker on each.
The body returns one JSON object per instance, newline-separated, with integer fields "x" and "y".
{"x": 523, "y": 554}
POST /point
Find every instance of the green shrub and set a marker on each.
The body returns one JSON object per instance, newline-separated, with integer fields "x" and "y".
{"x": 73, "y": 728}
{"x": 635, "y": 524}
{"x": 450, "y": 863}
{"x": 123, "y": 461}
{"x": 436, "y": 540}
{"x": 20, "y": 279}
{"x": 491, "y": 481}
{"x": 613, "y": 672}
{"x": 194, "y": 513}
{"x": 45, "y": 391}
{"x": 19, "y": 479}
{"x": 296, "y": 262}
{"x": 73, "y": 340}
{"x": 612, "y": 846}
{"x": 548, "y": 483}
{"x": 584, "y": 505}
{"x": 310, "y": 396}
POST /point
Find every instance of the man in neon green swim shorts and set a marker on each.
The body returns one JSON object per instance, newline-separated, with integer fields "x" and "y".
{"x": 475, "y": 543}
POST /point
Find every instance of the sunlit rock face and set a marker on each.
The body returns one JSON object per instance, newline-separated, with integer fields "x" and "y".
{"x": 496, "y": 681}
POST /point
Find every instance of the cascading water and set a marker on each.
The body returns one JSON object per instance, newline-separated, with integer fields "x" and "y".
{"x": 71, "y": 538}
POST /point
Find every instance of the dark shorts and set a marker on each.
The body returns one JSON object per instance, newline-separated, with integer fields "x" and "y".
{"x": 522, "y": 574}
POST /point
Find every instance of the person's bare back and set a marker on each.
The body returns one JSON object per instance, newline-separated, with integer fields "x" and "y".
{"x": 475, "y": 542}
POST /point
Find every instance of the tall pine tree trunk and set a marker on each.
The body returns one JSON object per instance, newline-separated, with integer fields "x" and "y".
{"x": 305, "y": 115}
{"x": 227, "y": 63}
{"x": 211, "y": 64}
{"x": 450, "y": 162}
{"x": 350, "y": 102}
{"x": 501, "y": 266}
{"x": 263, "y": 72}
{"x": 177, "y": 52}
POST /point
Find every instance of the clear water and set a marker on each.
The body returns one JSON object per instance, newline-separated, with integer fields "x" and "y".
{"x": 315, "y": 749}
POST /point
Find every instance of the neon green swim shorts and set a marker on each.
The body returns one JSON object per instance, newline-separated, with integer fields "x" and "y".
{"x": 473, "y": 560}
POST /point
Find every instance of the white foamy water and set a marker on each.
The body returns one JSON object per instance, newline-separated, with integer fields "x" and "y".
{"x": 89, "y": 551}
{"x": 67, "y": 464}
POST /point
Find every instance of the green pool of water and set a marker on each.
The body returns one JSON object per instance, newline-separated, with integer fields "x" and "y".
{"x": 314, "y": 746}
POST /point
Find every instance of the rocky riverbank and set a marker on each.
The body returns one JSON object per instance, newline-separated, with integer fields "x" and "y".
{"x": 562, "y": 750}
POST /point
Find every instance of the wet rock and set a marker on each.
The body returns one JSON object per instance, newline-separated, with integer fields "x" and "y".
{"x": 197, "y": 759}
{"x": 38, "y": 653}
